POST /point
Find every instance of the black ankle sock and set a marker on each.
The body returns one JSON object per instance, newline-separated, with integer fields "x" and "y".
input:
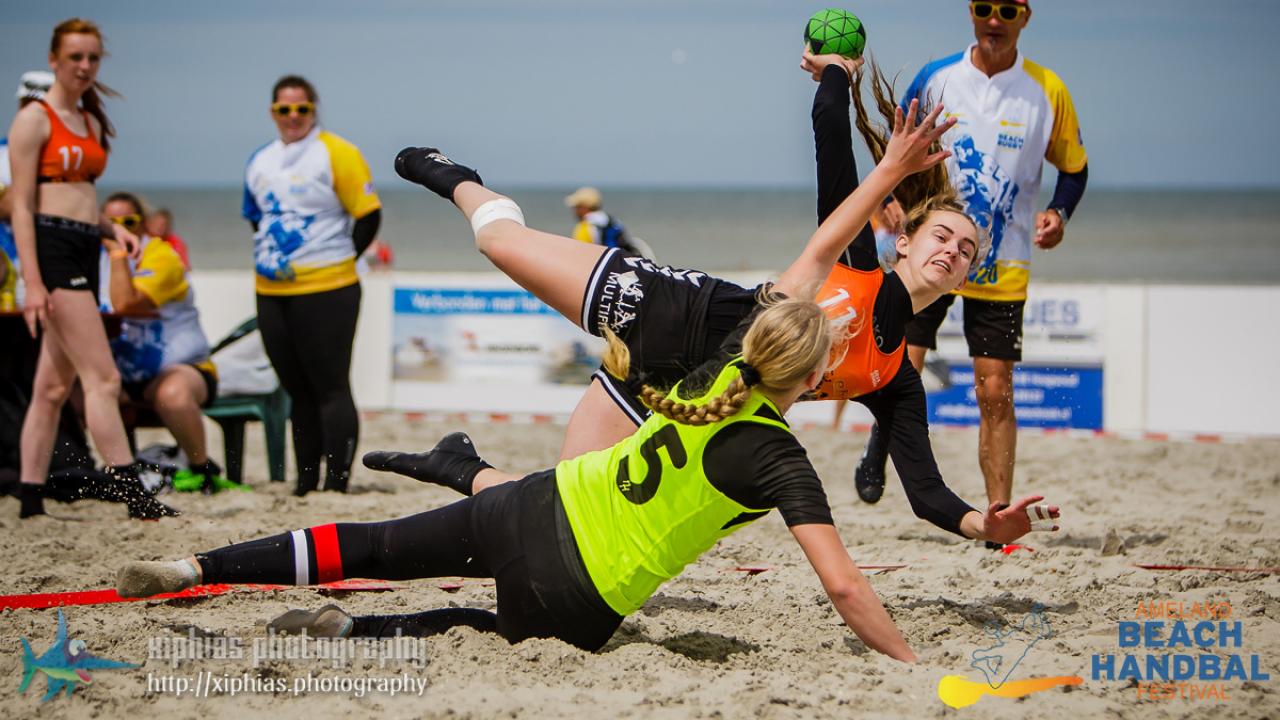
{"x": 306, "y": 484}
{"x": 423, "y": 624}
{"x": 453, "y": 463}
{"x": 877, "y": 447}
{"x": 429, "y": 168}
{"x": 32, "y": 499}
{"x": 208, "y": 467}
{"x": 125, "y": 487}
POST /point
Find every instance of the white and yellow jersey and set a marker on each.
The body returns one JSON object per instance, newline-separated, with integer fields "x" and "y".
{"x": 304, "y": 198}
{"x": 146, "y": 346}
{"x": 8, "y": 248}
{"x": 1008, "y": 125}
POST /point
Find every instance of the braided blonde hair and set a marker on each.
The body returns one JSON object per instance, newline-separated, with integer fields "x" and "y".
{"x": 786, "y": 342}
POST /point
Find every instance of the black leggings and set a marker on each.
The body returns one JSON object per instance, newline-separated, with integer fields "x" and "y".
{"x": 309, "y": 339}
{"x": 485, "y": 536}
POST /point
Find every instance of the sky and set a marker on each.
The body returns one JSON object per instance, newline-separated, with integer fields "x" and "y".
{"x": 646, "y": 93}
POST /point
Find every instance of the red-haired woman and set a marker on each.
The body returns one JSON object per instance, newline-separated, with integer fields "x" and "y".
{"x": 58, "y": 148}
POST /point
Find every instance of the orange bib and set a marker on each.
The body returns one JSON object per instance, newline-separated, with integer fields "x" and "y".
{"x": 67, "y": 157}
{"x": 851, "y": 294}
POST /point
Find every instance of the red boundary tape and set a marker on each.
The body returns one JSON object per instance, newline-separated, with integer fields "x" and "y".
{"x": 541, "y": 418}
{"x": 757, "y": 569}
{"x": 103, "y": 597}
{"x": 1265, "y": 570}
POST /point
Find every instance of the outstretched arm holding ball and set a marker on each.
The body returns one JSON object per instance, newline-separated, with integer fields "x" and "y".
{"x": 815, "y": 64}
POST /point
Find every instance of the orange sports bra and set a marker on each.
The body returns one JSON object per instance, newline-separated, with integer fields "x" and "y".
{"x": 67, "y": 157}
{"x": 865, "y": 368}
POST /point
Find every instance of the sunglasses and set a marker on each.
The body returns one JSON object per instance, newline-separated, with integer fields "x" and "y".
{"x": 1007, "y": 13}
{"x": 301, "y": 109}
{"x": 129, "y": 222}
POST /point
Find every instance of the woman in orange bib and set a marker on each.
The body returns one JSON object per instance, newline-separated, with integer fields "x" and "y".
{"x": 58, "y": 148}
{"x": 672, "y": 320}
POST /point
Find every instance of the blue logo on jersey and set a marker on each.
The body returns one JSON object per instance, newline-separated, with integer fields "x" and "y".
{"x": 988, "y": 194}
{"x": 7, "y": 244}
{"x": 139, "y": 350}
{"x": 281, "y": 238}
{"x": 1013, "y": 142}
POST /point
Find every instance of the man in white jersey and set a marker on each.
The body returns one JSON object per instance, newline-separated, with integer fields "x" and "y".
{"x": 1012, "y": 116}
{"x": 32, "y": 87}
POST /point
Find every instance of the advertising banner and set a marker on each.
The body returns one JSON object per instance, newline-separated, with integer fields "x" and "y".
{"x": 1059, "y": 382}
{"x": 492, "y": 348}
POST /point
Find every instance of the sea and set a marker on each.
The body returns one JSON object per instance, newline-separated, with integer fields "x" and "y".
{"x": 1203, "y": 237}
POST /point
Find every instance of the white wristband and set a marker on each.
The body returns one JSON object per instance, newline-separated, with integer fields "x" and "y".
{"x": 500, "y": 209}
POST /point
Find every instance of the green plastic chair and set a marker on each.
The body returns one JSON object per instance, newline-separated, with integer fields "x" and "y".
{"x": 233, "y": 412}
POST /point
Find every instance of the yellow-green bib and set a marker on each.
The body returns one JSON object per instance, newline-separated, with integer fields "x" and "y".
{"x": 644, "y": 509}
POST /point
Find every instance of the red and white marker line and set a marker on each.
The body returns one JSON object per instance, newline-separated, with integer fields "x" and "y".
{"x": 754, "y": 570}
{"x": 102, "y": 597}
{"x": 1208, "y": 568}
{"x": 545, "y": 419}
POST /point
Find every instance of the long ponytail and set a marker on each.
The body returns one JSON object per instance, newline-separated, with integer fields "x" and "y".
{"x": 921, "y": 193}
{"x": 91, "y": 100}
{"x": 786, "y": 342}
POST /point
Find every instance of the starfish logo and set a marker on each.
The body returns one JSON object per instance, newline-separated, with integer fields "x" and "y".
{"x": 66, "y": 663}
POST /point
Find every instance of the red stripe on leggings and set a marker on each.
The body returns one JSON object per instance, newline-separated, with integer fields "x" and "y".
{"x": 328, "y": 558}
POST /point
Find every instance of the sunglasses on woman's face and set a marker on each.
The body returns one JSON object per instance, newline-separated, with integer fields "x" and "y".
{"x": 301, "y": 109}
{"x": 1006, "y": 12}
{"x": 130, "y": 222}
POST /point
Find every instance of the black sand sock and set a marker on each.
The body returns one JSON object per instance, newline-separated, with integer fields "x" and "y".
{"x": 430, "y": 168}
{"x": 32, "y": 499}
{"x": 868, "y": 478}
{"x": 125, "y": 487}
{"x": 453, "y": 463}
{"x": 208, "y": 470}
{"x": 423, "y": 624}
{"x": 307, "y": 484}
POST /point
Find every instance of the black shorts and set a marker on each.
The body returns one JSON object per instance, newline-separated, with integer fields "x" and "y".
{"x": 543, "y": 587}
{"x": 67, "y": 251}
{"x": 137, "y": 390}
{"x": 672, "y": 320}
{"x": 993, "y": 329}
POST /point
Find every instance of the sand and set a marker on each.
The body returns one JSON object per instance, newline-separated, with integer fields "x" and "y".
{"x": 715, "y": 642}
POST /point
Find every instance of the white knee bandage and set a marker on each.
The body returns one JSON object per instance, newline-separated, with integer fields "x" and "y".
{"x": 500, "y": 209}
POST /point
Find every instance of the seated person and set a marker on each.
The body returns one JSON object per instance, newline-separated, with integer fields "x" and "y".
{"x": 164, "y": 361}
{"x": 160, "y": 225}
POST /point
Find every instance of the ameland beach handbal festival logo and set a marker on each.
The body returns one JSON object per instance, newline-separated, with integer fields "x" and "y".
{"x": 998, "y": 661}
{"x": 1170, "y": 650}
{"x": 1180, "y": 650}
{"x": 66, "y": 664}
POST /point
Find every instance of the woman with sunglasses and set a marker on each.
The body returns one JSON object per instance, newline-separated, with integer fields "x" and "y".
{"x": 572, "y": 549}
{"x": 57, "y": 149}
{"x": 309, "y": 197}
{"x": 161, "y": 351}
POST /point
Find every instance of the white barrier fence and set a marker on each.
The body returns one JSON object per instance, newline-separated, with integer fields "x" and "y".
{"x": 1120, "y": 358}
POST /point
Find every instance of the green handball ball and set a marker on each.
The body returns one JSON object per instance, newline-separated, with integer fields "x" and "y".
{"x": 835, "y": 31}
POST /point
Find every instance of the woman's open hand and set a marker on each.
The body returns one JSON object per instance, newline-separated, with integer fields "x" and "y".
{"x": 910, "y": 147}
{"x": 1006, "y": 524}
